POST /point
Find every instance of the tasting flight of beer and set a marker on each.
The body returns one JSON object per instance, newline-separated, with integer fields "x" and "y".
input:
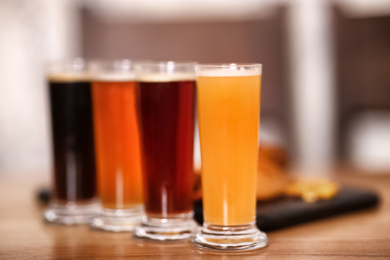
{"x": 123, "y": 142}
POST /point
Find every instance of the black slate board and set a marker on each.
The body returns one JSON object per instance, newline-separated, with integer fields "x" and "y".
{"x": 286, "y": 212}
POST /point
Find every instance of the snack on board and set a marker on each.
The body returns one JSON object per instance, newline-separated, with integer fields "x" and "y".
{"x": 272, "y": 178}
{"x": 272, "y": 174}
{"x": 274, "y": 153}
{"x": 312, "y": 190}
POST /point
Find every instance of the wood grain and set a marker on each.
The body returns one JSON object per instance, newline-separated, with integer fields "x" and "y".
{"x": 23, "y": 235}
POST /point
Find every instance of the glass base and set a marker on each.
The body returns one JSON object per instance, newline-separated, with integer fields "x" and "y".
{"x": 233, "y": 238}
{"x": 180, "y": 227}
{"x": 70, "y": 213}
{"x": 118, "y": 220}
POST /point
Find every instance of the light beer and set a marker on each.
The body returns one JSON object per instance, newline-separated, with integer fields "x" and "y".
{"x": 228, "y": 124}
{"x": 229, "y": 113}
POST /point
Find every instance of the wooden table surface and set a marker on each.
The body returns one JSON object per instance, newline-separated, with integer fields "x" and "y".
{"x": 23, "y": 235}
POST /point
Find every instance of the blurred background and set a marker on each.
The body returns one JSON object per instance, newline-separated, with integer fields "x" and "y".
{"x": 326, "y": 74}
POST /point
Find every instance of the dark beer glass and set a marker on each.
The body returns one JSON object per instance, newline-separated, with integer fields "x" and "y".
{"x": 165, "y": 103}
{"x": 74, "y": 180}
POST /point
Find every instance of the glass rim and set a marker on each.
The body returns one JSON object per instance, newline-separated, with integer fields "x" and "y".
{"x": 165, "y": 71}
{"x": 228, "y": 65}
{"x": 165, "y": 63}
{"x": 66, "y": 61}
{"x": 105, "y": 62}
{"x": 109, "y": 61}
{"x": 111, "y": 66}
{"x": 112, "y": 70}
{"x": 68, "y": 69}
{"x": 87, "y": 62}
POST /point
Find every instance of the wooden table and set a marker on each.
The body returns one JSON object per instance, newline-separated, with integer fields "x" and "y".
{"x": 23, "y": 235}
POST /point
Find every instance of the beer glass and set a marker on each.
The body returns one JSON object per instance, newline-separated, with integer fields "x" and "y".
{"x": 166, "y": 96}
{"x": 229, "y": 110}
{"x": 117, "y": 146}
{"x": 74, "y": 182}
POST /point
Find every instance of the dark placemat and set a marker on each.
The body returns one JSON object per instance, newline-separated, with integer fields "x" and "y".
{"x": 286, "y": 212}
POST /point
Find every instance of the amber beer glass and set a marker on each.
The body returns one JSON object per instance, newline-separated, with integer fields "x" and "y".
{"x": 166, "y": 96}
{"x": 117, "y": 146}
{"x": 229, "y": 111}
{"x": 74, "y": 182}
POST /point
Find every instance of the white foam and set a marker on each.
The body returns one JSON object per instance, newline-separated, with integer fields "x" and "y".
{"x": 235, "y": 71}
{"x": 165, "y": 77}
{"x": 114, "y": 77}
{"x": 68, "y": 77}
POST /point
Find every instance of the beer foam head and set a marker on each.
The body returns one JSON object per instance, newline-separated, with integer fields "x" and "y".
{"x": 67, "y": 70}
{"x": 232, "y": 70}
{"x": 114, "y": 77}
{"x": 165, "y": 77}
{"x": 68, "y": 77}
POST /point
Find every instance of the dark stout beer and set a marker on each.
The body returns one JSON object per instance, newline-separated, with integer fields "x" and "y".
{"x": 73, "y": 138}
